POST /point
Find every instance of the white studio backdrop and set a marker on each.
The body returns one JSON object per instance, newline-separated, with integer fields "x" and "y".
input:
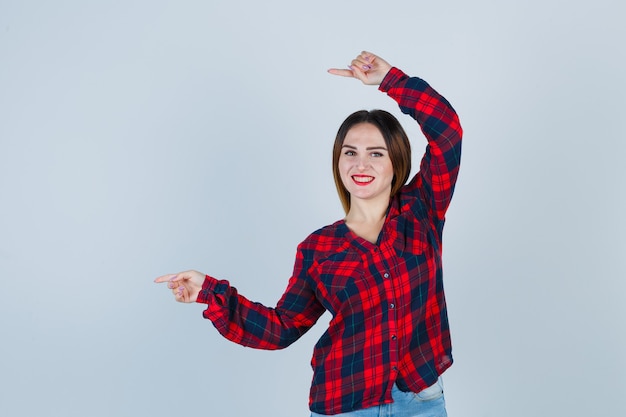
{"x": 139, "y": 138}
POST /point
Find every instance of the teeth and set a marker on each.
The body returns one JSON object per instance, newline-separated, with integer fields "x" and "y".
{"x": 363, "y": 179}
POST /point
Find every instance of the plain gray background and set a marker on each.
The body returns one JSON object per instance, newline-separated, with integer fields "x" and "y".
{"x": 139, "y": 138}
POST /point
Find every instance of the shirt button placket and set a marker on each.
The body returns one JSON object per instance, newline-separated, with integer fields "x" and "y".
{"x": 392, "y": 324}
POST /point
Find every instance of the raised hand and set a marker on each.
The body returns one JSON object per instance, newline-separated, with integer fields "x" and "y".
{"x": 367, "y": 67}
{"x": 185, "y": 285}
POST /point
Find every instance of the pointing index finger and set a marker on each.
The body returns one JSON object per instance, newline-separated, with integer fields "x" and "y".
{"x": 165, "y": 278}
{"x": 341, "y": 72}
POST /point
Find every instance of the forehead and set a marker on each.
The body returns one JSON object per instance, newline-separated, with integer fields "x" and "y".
{"x": 365, "y": 134}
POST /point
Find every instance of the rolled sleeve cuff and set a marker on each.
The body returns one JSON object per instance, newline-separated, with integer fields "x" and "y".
{"x": 209, "y": 288}
{"x": 391, "y": 79}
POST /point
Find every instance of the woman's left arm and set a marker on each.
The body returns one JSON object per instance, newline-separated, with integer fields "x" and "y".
{"x": 440, "y": 124}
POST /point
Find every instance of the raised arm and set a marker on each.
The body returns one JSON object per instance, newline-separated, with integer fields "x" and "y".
{"x": 439, "y": 122}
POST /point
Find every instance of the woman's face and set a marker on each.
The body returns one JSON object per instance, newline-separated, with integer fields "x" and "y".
{"x": 364, "y": 163}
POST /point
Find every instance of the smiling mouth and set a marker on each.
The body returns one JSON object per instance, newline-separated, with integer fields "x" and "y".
{"x": 362, "y": 179}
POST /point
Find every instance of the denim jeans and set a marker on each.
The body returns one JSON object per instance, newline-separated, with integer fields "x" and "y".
{"x": 427, "y": 403}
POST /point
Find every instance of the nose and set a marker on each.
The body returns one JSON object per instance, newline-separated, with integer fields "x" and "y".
{"x": 362, "y": 163}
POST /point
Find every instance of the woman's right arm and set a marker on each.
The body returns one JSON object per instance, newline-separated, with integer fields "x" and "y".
{"x": 245, "y": 322}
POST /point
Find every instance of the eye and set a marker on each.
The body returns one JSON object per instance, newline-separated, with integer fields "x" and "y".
{"x": 377, "y": 154}
{"x": 350, "y": 153}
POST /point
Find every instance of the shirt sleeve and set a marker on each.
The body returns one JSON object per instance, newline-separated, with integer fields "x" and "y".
{"x": 440, "y": 124}
{"x": 254, "y": 325}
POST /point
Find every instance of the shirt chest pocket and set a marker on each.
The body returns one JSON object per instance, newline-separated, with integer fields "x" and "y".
{"x": 411, "y": 237}
{"x": 339, "y": 278}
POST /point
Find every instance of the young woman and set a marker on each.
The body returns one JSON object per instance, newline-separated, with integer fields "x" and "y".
{"x": 378, "y": 271}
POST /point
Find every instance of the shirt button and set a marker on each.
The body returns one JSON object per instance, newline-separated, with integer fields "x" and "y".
{"x": 386, "y": 275}
{"x": 393, "y": 337}
{"x": 392, "y": 306}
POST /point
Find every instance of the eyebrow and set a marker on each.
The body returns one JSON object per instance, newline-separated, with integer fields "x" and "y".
{"x": 371, "y": 148}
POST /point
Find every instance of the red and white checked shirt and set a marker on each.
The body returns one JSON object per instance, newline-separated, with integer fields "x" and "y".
{"x": 389, "y": 321}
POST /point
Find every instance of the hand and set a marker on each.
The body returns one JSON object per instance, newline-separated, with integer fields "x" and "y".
{"x": 367, "y": 67}
{"x": 185, "y": 285}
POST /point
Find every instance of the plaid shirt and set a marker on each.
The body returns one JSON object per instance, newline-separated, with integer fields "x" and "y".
{"x": 389, "y": 319}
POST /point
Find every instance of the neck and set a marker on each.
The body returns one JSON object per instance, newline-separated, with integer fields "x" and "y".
{"x": 367, "y": 211}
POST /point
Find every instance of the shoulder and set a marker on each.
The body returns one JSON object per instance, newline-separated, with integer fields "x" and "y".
{"x": 325, "y": 235}
{"x": 409, "y": 201}
{"x": 323, "y": 241}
